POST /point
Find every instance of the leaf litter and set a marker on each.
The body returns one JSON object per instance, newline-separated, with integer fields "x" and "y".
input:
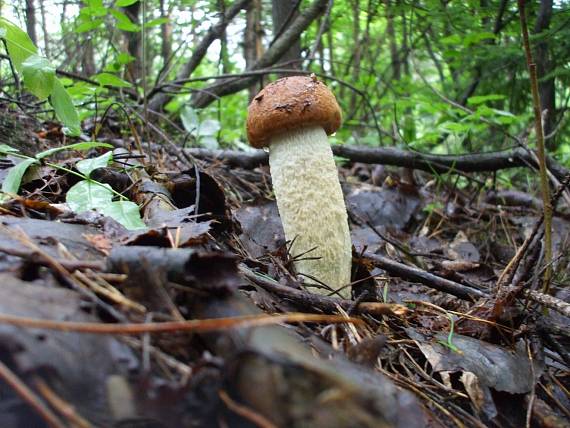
{"x": 199, "y": 320}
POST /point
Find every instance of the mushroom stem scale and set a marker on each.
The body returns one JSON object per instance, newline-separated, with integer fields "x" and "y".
{"x": 311, "y": 206}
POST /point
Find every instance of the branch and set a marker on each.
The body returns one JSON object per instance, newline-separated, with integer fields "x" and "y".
{"x": 545, "y": 190}
{"x": 270, "y": 57}
{"x": 479, "y": 162}
{"x": 130, "y": 92}
{"x": 156, "y": 103}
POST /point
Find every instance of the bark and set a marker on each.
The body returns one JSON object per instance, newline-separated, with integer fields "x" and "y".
{"x": 330, "y": 43}
{"x": 44, "y": 28}
{"x": 71, "y": 65}
{"x": 88, "y": 58}
{"x": 134, "y": 43}
{"x": 31, "y": 21}
{"x": 394, "y": 56}
{"x": 165, "y": 35}
{"x": 283, "y": 13}
{"x": 480, "y": 162}
{"x": 224, "y": 55}
{"x": 357, "y": 52}
{"x": 544, "y": 65}
{"x": 253, "y": 46}
{"x": 478, "y": 72}
{"x": 86, "y": 54}
{"x": 270, "y": 57}
{"x": 158, "y": 100}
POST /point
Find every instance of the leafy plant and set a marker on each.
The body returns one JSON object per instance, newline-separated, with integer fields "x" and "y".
{"x": 85, "y": 195}
{"x": 449, "y": 342}
{"x": 39, "y": 75}
{"x": 203, "y": 132}
{"x": 89, "y": 194}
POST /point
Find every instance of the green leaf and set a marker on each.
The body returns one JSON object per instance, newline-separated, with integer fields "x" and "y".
{"x": 209, "y": 142}
{"x": 155, "y": 22}
{"x": 13, "y": 180}
{"x": 19, "y": 44}
{"x": 88, "y": 25}
{"x": 98, "y": 11}
{"x": 86, "y": 166}
{"x": 87, "y": 195}
{"x": 455, "y": 127}
{"x": 94, "y": 3}
{"x": 479, "y": 99}
{"x": 123, "y": 3}
{"x": 124, "y": 58}
{"x": 124, "y": 22}
{"x": 474, "y": 38}
{"x": 454, "y": 39}
{"x": 77, "y": 146}
{"x": 108, "y": 79}
{"x": 125, "y": 212}
{"x": 64, "y": 109}
{"x": 209, "y": 127}
{"x": 5, "y": 149}
{"x": 39, "y": 76}
{"x": 189, "y": 119}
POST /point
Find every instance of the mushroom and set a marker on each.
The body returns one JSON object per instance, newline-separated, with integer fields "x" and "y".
{"x": 292, "y": 116}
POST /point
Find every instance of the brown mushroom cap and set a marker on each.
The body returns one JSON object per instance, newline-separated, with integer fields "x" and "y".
{"x": 290, "y": 103}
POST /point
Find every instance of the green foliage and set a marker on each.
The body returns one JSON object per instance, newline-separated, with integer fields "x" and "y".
{"x": 91, "y": 195}
{"x": 108, "y": 79}
{"x": 64, "y": 108}
{"x": 203, "y": 132}
{"x": 450, "y": 78}
{"x": 39, "y": 75}
{"x": 85, "y": 195}
{"x": 11, "y": 183}
{"x": 13, "y": 180}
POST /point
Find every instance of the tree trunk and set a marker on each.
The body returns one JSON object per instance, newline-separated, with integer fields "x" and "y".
{"x": 394, "y": 57}
{"x": 273, "y": 54}
{"x": 357, "y": 53}
{"x": 44, "y": 28}
{"x": 31, "y": 21}
{"x": 283, "y": 13}
{"x": 330, "y": 43}
{"x": 158, "y": 100}
{"x": 224, "y": 60}
{"x": 165, "y": 35}
{"x": 544, "y": 65}
{"x": 88, "y": 58}
{"x": 86, "y": 54}
{"x": 134, "y": 45}
{"x": 253, "y": 46}
{"x": 70, "y": 60}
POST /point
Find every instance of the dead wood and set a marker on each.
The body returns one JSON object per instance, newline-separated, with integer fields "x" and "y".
{"x": 480, "y": 162}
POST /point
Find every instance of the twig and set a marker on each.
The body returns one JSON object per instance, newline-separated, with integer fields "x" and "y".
{"x": 195, "y": 326}
{"x": 60, "y": 271}
{"x": 478, "y": 162}
{"x": 508, "y": 273}
{"x": 29, "y": 396}
{"x": 255, "y": 418}
{"x": 322, "y": 303}
{"x": 423, "y": 277}
{"x": 64, "y": 408}
{"x": 540, "y": 149}
{"x": 319, "y": 37}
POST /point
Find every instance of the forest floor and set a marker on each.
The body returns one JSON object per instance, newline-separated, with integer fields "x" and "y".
{"x": 198, "y": 320}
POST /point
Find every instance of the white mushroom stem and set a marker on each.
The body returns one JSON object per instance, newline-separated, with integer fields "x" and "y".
{"x": 311, "y": 205}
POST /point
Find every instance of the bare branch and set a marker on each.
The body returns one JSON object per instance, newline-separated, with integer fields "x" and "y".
{"x": 270, "y": 57}
{"x": 158, "y": 100}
